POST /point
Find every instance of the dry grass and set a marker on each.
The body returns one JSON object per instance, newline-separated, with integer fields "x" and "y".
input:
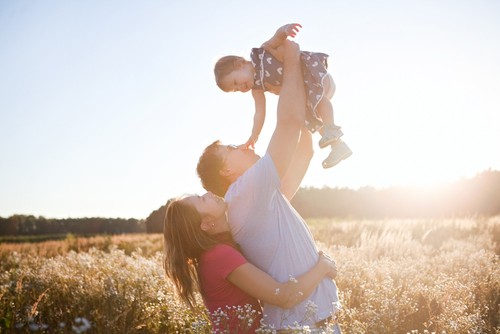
{"x": 395, "y": 276}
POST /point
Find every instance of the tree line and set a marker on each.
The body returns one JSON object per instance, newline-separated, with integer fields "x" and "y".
{"x": 476, "y": 196}
{"x": 20, "y": 225}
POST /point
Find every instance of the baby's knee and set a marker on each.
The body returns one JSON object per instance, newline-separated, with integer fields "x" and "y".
{"x": 329, "y": 86}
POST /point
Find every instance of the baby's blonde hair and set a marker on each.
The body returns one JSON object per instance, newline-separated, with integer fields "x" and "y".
{"x": 225, "y": 66}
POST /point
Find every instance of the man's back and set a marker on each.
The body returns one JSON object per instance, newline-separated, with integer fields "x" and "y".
{"x": 275, "y": 238}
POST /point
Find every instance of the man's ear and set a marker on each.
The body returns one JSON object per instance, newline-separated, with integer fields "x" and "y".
{"x": 224, "y": 172}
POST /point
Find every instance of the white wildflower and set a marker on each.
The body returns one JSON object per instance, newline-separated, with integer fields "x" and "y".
{"x": 81, "y": 325}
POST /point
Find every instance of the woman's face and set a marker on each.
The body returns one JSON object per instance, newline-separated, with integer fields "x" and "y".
{"x": 212, "y": 210}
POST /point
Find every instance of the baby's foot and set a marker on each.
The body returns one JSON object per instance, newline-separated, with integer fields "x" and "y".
{"x": 331, "y": 133}
{"x": 340, "y": 151}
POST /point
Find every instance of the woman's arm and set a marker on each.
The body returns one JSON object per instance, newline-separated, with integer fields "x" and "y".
{"x": 260, "y": 285}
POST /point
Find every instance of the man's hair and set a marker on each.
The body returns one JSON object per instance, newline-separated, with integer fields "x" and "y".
{"x": 208, "y": 169}
{"x": 224, "y": 66}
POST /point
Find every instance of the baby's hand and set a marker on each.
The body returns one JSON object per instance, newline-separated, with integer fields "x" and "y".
{"x": 289, "y": 30}
{"x": 250, "y": 143}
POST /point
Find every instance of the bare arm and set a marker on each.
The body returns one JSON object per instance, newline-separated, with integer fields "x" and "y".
{"x": 274, "y": 45}
{"x": 258, "y": 118}
{"x": 260, "y": 285}
{"x": 281, "y": 35}
{"x": 298, "y": 167}
{"x": 291, "y": 111}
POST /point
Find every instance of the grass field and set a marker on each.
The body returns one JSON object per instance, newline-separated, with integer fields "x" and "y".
{"x": 395, "y": 276}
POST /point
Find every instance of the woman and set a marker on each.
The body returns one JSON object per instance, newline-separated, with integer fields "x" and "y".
{"x": 200, "y": 255}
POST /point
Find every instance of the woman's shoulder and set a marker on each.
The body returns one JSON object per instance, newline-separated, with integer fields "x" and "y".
{"x": 223, "y": 256}
{"x": 220, "y": 250}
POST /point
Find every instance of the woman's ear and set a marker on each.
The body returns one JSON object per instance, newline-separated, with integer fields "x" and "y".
{"x": 206, "y": 224}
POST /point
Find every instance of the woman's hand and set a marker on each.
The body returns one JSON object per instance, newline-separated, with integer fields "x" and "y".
{"x": 329, "y": 263}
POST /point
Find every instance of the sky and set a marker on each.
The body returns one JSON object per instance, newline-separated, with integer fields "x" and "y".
{"x": 106, "y": 106}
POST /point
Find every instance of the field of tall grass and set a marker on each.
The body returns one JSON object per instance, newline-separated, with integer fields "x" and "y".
{"x": 395, "y": 276}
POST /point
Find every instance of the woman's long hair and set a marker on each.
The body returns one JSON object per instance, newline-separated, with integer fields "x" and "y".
{"x": 184, "y": 242}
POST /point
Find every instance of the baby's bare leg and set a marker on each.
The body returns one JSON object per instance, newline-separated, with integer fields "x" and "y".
{"x": 329, "y": 86}
{"x": 325, "y": 111}
{"x": 325, "y": 108}
{"x": 330, "y": 132}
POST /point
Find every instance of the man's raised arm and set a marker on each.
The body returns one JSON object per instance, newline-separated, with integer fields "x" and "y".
{"x": 291, "y": 110}
{"x": 299, "y": 164}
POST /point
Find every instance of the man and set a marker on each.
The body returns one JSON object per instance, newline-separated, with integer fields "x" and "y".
{"x": 270, "y": 232}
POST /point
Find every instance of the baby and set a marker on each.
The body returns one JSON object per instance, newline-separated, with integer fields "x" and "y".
{"x": 265, "y": 73}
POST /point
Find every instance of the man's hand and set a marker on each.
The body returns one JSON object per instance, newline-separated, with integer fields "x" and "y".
{"x": 291, "y": 52}
{"x": 272, "y": 88}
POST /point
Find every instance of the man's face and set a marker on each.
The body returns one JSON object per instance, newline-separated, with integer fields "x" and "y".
{"x": 236, "y": 161}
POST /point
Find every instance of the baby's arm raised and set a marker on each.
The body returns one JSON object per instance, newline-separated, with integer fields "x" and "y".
{"x": 274, "y": 44}
{"x": 288, "y": 30}
{"x": 258, "y": 118}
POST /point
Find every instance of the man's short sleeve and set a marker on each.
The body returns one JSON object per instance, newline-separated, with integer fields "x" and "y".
{"x": 258, "y": 184}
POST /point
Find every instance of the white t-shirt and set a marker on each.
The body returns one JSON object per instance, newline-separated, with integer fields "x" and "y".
{"x": 274, "y": 237}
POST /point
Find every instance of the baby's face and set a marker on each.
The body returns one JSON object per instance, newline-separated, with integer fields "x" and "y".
{"x": 239, "y": 80}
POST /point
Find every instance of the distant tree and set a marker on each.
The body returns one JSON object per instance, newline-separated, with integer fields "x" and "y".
{"x": 7, "y": 226}
{"x": 30, "y": 225}
{"x": 477, "y": 196}
{"x": 154, "y": 222}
